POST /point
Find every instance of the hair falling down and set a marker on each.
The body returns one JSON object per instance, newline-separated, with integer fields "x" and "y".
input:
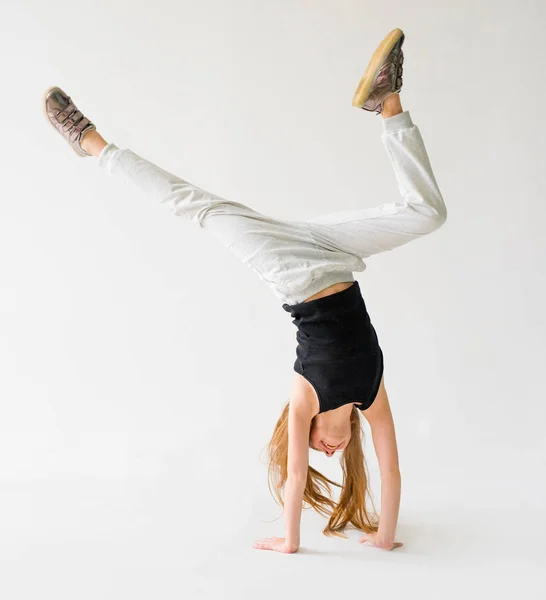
{"x": 350, "y": 510}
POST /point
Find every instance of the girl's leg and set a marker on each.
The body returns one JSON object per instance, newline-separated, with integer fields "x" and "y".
{"x": 182, "y": 197}
{"x": 421, "y": 210}
{"x": 283, "y": 253}
{"x": 93, "y": 142}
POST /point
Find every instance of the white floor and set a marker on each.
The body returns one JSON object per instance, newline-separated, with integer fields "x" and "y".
{"x": 67, "y": 538}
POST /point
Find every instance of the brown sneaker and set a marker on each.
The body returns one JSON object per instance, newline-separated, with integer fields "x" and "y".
{"x": 64, "y": 115}
{"x": 383, "y": 75}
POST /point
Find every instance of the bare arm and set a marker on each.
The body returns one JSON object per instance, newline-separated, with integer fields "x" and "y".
{"x": 299, "y": 423}
{"x": 303, "y": 406}
{"x": 381, "y": 422}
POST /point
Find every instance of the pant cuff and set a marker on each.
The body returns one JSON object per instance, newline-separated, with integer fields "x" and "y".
{"x": 107, "y": 156}
{"x": 397, "y": 122}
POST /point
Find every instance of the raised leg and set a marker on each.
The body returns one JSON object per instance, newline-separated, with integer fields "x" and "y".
{"x": 281, "y": 252}
{"x": 421, "y": 209}
{"x": 183, "y": 198}
{"x": 93, "y": 142}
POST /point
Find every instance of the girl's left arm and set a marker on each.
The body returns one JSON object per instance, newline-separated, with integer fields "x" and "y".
{"x": 381, "y": 423}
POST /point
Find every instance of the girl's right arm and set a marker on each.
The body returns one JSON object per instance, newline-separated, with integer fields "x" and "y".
{"x": 302, "y": 408}
{"x": 299, "y": 424}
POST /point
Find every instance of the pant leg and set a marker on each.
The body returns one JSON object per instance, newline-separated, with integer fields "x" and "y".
{"x": 183, "y": 198}
{"x": 282, "y": 253}
{"x": 421, "y": 210}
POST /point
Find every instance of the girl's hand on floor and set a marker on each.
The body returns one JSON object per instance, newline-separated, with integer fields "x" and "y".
{"x": 274, "y": 543}
{"x": 376, "y": 541}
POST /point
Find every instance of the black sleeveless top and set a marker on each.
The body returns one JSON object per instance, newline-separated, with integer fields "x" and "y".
{"x": 338, "y": 350}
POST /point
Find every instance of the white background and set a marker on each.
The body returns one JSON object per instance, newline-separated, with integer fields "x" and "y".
{"x": 143, "y": 367}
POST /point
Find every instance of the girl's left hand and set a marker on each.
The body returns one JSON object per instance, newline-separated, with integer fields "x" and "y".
{"x": 274, "y": 543}
{"x": 376, "y": 541}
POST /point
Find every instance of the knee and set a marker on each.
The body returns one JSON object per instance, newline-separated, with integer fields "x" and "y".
{"x": 436, "y": 218}
{"x": 441, "y": 216}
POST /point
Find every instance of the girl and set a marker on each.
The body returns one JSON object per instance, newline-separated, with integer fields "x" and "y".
{"x": 309, "y": 267}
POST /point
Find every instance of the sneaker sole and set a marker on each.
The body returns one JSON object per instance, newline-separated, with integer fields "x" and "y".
{"x": 44, "y": 110}
{"x": 374, "y": 66}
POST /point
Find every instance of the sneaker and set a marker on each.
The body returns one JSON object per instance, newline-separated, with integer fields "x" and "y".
{"x": 64, "y": 115}
{"x": 383, "y": 75}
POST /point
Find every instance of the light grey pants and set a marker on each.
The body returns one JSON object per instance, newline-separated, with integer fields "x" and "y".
{"x": 297, "y": 259}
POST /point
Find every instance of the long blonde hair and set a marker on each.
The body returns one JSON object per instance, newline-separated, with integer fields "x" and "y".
{"x": 350, "y": 510}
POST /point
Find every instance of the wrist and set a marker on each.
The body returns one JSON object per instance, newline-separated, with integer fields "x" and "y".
{"x": 384, "y": 541}
{"x": 384, "y": 538}
{"x": 291, "y": 547}
{"x": 292, "y": 543}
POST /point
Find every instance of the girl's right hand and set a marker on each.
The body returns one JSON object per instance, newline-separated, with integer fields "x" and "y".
{"x": 277, "y": 544}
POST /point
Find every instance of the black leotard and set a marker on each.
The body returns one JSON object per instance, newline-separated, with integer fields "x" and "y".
{"x": 338, "y": 350}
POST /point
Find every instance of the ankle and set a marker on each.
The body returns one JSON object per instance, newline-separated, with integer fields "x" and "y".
{"x": 93, "y": 142}
{"x": 391, "y": 106}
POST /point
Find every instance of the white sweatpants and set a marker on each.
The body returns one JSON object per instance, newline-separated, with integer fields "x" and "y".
{"x": 297, "y": 259}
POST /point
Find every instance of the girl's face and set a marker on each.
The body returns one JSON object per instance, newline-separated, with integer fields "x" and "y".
{"x": 329, "y": 444}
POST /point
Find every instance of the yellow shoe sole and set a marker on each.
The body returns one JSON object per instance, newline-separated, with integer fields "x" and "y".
{"x": 382, "y": 51}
